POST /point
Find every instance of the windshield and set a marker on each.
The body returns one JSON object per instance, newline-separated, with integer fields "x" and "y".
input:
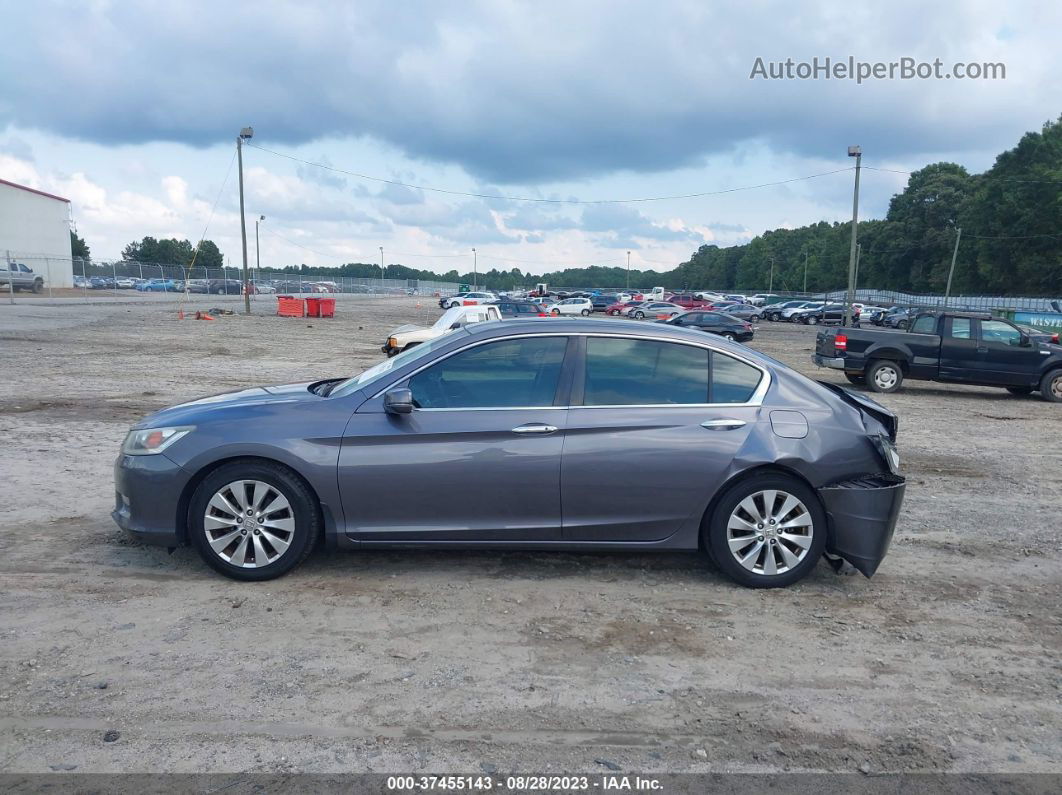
{"x": 378, "y": 371}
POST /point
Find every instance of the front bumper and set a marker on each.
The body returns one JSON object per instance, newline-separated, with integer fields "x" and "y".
{"x": 147, "y": 490}
{"x": 862, "y": 515}
{"x": 825, "y": 361}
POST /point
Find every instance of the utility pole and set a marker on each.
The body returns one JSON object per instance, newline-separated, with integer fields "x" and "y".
{"x": 770, "y": 285}
{"x": 257, "y": 252}
{"x": 951, "y": 270}
{"x": 381, "y": 270}
{"x": 857, "y": 153}
{"x": 628, "y": 270}
{"x": 475, "y": 270}
{"x": 805, "y": 271}
{"x": 245, "y": 135}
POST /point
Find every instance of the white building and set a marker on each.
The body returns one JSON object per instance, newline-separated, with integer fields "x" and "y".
{"x": 35, "y": 230}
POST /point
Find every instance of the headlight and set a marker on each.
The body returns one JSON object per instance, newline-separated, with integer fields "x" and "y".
{"x": 888, "y": 452}
{"x": 392, "y": 342}
{"x": 153, "y": 440}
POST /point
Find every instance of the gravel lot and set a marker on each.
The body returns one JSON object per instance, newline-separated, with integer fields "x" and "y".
{"x": 468, "y": 662}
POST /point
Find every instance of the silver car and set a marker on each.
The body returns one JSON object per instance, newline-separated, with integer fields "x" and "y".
{"x": 570, "y": 434}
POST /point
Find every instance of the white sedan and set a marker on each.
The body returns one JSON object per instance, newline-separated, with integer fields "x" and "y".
{"x": 470, "y": 299}
{"x": 573, "y": 306}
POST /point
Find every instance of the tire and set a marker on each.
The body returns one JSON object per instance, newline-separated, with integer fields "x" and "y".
{"x": 1020, "y": 390}
{"x": 774, "y": 317}
{"x": 884, "y": 375}
{"x": 639, "y": 315}
{"x": 555, "y": 312}
{"x": 728, "y": 336}
{"x": 902, "y": 325}
{"x": 796, "y": 552}
{"x": 585, "y": 313}
{"x": 856, "y": 379}
{"x": 302, "y": 515}
{"x": 812, "y": 320}
{"x": 613, "y": 312}
{"x": 1051, "y": 386}
{"x": 37, "y": 287}
{"x": 754, "y": 319}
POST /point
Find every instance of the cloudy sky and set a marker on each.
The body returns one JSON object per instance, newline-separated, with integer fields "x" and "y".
{"x": 131, "y": 110}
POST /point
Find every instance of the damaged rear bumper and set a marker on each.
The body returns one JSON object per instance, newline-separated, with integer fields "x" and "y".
{"x": 862, "y": 516}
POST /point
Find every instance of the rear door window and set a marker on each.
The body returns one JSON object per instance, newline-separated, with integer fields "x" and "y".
{"x": 927, "y": 324}
{"x": 960, "y": 328}
{"x": 628, "y": 372}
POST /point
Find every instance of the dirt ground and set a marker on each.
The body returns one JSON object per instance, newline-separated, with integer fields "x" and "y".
{"x": 468, "y": 662}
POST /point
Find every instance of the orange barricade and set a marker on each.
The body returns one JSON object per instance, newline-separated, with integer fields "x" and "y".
{"x": 320, "y": 307}
{"x": 290, "y": 306}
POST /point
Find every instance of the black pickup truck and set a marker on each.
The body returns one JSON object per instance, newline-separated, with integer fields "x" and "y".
{"x": 951, "y": 347}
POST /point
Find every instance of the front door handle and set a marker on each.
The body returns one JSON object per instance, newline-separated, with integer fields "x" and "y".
{"x": 535, "y": 427}
{"x": 982, "y": 350}
{"x": 723, "y": 425}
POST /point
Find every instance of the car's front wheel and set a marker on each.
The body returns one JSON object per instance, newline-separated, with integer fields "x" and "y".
{"x": 728, "y": 336}
{"x": 767, "y": 531}
{"x": 812, "y": 320}
{"x": 1051, "y": 387}
{"x": 639, "y": 315}
{"x": 585, "y": 313}
{"x": 554, "y": 312}
{"x": 253, "y": 520}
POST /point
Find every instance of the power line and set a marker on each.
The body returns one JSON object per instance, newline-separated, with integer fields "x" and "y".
{"x": 210, "y": 218}
{"x": 536, "y": 199}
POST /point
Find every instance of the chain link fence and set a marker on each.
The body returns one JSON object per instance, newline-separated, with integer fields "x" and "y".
{"x": 129, "y": 277}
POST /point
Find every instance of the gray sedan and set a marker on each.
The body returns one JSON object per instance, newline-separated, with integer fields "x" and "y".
{"x": 563, "y": 434}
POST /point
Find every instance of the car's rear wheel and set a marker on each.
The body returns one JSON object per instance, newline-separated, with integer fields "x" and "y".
{"x": 902, "y": 325}
{"x": 884, "y": 375}
{"x": 728, "y": 336}
{"x": 812, "y": 320}
{"x": 754, "y": 318}
{"x": 767, "y": 531}
{"x": 37, "y": 287}
{"x": 253, "y": 520}
{"x": 585, "y": 313}
{"x": 1051, "y": 387}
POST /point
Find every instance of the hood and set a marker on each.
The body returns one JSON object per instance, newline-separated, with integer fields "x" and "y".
{"x": 407, "y": 327}
{"x": 215, "y": 406}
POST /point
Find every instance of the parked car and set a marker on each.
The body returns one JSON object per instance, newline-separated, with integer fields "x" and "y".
{"x": 603, "y": 301}
{"x": 225, "y": 287}
{"x": 409, "y": 336}
{"x": 621, "y": 307}
{"x": 19, "y": 276}
{"x": 466, "y": 299}
{"x": 157, "y": 286}
{"x": 774, "y": 311}
{"x": 654, "y": 309}
{"x": 197, "y": 286}
{"x": 719, "y": 323}
{"x": 760, "y": 299}
{"x": 689, "y": 301}
{"x": 500, "y": 411}
{"x": 901, "y": 319}
{"x": 81, "y": 282}
{"x": 830, "y": 313}
{"x": 953, "y": 347}
{"x": 514, "y": 308}
{"x": 125, "y": 283}
{"x": 573, "y": 306}
{"x": 263, "y": 288}
{"x": 743, "y": 311}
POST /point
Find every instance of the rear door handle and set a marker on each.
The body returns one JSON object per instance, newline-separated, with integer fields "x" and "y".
{"x": 535, "y": 427}
{"x": 723, "y": 425}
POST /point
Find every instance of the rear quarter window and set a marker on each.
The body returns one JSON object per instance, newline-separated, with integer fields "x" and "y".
{"x": 733, "y": 381}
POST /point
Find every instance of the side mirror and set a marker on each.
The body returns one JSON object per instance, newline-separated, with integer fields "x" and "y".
{"x": 1024, "y": 340}
{"x": 455, "y": 325}
{"x": 398, "y": 401}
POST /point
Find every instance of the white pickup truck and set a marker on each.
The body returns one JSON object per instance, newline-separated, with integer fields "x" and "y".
{"x": 16, "y": 276}
{"x": 407, "y": 336}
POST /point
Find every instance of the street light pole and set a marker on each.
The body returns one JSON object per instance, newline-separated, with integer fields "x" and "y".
{"x": 628, "y": 270}
{"x": 951, "y": 270}
{"x": 770, "y": 284}
{"x": 245, "y": 135}
{"x": 805, "y": 271}
{"x": 857, "y": 153}
{"x": 257, "y": 252}
{"x": 475, "y": 270}
{"x": 381, "y": 270}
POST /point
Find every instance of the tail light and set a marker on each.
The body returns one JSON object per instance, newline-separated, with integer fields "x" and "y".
{"x": 840, "y": 342}
{"x": 748, "y": 326}
{"x": 1054, "y": 339}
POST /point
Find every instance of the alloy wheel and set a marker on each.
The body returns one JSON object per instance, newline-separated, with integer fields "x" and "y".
{"x": 770, "y": 532}
{"x": 249, "y": 523}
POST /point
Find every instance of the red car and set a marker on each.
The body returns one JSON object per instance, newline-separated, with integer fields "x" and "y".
{"x": 620, "y": 309}
{"x": 687, "y": 301}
